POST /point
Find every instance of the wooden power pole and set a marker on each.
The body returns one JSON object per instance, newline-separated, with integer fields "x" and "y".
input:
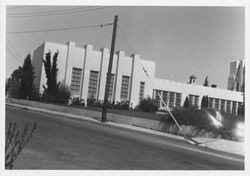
{"x": 105, "y": 103}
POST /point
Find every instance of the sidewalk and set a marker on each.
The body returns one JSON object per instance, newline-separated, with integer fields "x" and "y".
{"x": 215, "y": 144}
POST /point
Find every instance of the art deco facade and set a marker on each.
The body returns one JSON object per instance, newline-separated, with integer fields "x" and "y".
{"x": 84, "y": 70}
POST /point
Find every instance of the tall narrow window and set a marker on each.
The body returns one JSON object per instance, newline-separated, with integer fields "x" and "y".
{"x": 229, "y": 106}
{"x": 165, "y": 97}
{"x": 93, "y": 82}
{"x": 234, "y": 108}
{"x": 157, "y": 97}
{"x": 111, "y": 86}
{"x": 222, "y": 106}
{"x": 142, "y": 87}
{"x": 196, "y": 100}
{"x": 178, "y": 100}
{"x": 217, "y": 104}
{"x": 211, "y": 102}
{"x": 191, "y": 99}
{"x": 171, "y": 99}
{"x": 75, "y": 80}
{"x": 125, "y": 88}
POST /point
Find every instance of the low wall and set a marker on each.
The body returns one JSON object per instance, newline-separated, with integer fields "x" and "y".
{"x": 118, "y": 118}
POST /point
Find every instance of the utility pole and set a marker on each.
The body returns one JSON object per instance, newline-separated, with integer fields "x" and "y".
{"x": 105, "y": 103}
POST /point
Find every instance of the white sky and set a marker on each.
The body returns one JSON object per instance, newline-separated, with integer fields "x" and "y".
{"x": 181, "y": 40}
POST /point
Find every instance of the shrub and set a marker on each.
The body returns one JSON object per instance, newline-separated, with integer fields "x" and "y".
{"x": 111, "y": 104}
{"x": 193, "y": 117}
{"x": 35, "y": 95}
{"x": 15, "y": 141}
{"x": 200, "y": 120}
{"x": 47, "y": 98}
{"x": 241, "y": 110}
{"x": 92, "y": 102}
{"x": 63, "y": 95}
{"x": 12, "y": 88}
{"x": 77, "y": 101}
{"x": 148, "y": 105}
{"x": 123, "y": 105}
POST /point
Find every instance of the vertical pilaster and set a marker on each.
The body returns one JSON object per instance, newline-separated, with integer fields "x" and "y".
{"x": 174, "y": 99}
{"x": 70, "y": 45}
{"x": 86, "y": 70}
{"x": 103, "y": 73}
{"x": 135, "y": 81}
{"x": 118, "y": 77}
{"x": 237, "y": 106}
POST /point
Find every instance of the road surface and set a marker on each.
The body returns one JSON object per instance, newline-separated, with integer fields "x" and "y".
{"x": 64, "y": 143}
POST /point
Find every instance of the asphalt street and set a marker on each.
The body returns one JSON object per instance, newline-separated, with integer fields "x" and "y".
{"x": 64, "y": 143}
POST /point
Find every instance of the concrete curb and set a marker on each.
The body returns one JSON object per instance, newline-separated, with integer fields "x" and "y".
{"x": 222, "y": 144}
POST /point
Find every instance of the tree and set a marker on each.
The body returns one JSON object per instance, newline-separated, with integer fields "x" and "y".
{"x": 27, "y": 77}
{"x": 204, "y": 102}
{"x": 206, "y": 83}
{"x": 16, "y": 75}
{"x": 186, "y": 103}
{"x": 13, "y": 83}
{"x": 51, "y": 75}
{"x": 148, "y": 105}
{"x": 63, "y": 94}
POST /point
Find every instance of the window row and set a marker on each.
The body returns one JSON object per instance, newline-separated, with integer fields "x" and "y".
{"x": 93, "y": 85}
{"x": 224, "y": 105}
{"x": 170, "y": 99}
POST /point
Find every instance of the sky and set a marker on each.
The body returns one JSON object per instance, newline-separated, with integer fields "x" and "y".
{"x": 181, "y": 40}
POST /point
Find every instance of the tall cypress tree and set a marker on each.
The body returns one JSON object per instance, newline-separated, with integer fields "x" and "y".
{"x": 27, "y": 78}
{"x": 54, "y": 70}
{"x": 204, "y": 102}
{"x": 186, "y": 103}
{"x": 51, "y": 74}
{"x": 207, "y": 101}
{"x": 206, "y": 83}
{"x": 47, "y": 67}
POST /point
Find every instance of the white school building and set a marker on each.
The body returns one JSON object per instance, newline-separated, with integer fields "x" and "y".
{"x": 84, "y": 70}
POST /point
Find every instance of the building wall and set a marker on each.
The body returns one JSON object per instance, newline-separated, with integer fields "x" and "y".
{"x": 87, "y": 59}
{"x": 38, "y": 63}
{"x": 236, "y": 79}
{"x": 186, "y": 90}
{"x": 75, "y": 58}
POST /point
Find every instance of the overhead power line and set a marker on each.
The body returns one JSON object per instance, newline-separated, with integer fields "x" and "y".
{"x": 51, "y": 11}
{"x": 13, "y": 54}
{"x": 59, "y": 29}
{"x": 13, "y": 48}
{"x": 58, "y": 12}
